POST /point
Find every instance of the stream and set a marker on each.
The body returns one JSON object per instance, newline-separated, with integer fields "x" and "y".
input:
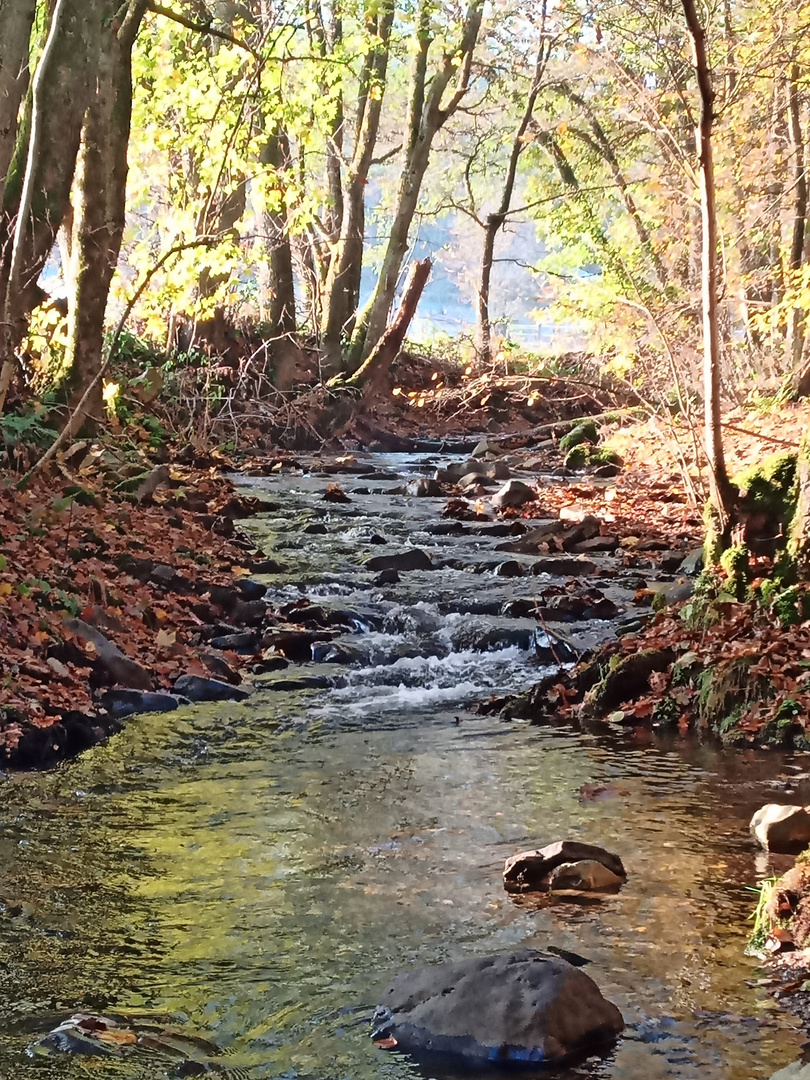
{"x": 258, "y": 871}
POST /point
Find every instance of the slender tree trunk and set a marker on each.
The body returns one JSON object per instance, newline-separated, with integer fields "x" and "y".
{"x": 41, "y": 173}
{"x": 16, "y": 23}
{"x": 799, "y": 530}
{"x": 280, "y": 277}
{"x": 720, "y": 487}
{"x": 426, "y": 117}
{"x": 795, "y": 337}
{"x": 342, "y": 288}
{"x": 494, "y": 222}
{"x": 99, "y": 212}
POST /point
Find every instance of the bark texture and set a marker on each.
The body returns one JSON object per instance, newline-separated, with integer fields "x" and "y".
{"x": 44, "y": 161}
{"x": 99, "y": 211}
{"x": 16, "y": 22}
{"x": 721, "y": 493}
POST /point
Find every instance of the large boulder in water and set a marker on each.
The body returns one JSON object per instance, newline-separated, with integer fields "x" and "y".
{"x": 521, "y": 1006}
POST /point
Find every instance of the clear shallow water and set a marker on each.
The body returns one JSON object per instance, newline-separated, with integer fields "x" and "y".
{"x": 260, "y": 871}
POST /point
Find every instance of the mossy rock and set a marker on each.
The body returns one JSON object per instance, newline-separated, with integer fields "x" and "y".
{"x": 584, "y": 456}
{"x": 770, "y": 487}
{"x": 626, "y": 679}
{"x": 585, "y": 431}
{"x": 578, "y": 457}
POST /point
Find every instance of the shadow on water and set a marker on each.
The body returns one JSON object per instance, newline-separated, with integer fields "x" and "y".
{"x": 257, "y": 872}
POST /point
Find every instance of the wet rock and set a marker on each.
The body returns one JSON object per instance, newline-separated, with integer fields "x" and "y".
{"x": 503, "y": 528}
{"x": 564, "y": 566}
{"x": 532, "y": 869}
{"x": 520, "y": 1006}
{"x": 243, "y": 641}
{"x": 270, "y": 662}
{"x": 483, "y": 448}
{"x": 509, "y": 569}
{"x": 595, "y": 543}
{"x": 449, "y": 528}
{"x": 536, "y": 539}
{"x": 249, "y": 612}
{"x": 196, "y": 688}
{"x": 670, "y": 561}
{"x": 783, "y": 829}
{"x": 480, "y": 635}
{"x": 423, "y": 488}
{"x": 581, "y": 532}
{"x": 296, "y": 645}
{"x": 251, "y": 590}
{"x": 387, "y": 577}
{"x": 693, "y": 563}
{"x": 301, "y": 682}
{"x": 587, "y": 875}
{"x": 514, "y": 493}
{"x": 472, "y": 484}
{"x": 606, "y": 471}
{"x": 402, "y": 561}
{"x": 219, "y": 667}
{"x": 268, "y": 566}
{"x": 519, "y": 609}
{"x": 121, "y": 703}
{"x": 377, "y": 540}
{"x": 317, "y": 528}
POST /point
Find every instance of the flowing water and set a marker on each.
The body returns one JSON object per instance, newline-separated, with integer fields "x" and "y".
{"x": 259, "y": 871}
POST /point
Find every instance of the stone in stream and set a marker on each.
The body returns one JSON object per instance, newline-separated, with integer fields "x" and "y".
{"x": 587, "y": 875}
{"x": 121, "y": 703}
{"x": 510, "y": 569}
{"x": 268, "y": 566}
{"x": 520, "y": 1006}
{"x": 424, "y": 488}
{"x": 563, "y": 566}
{"x": 595, "y": 543}
{"x": 413, "y": 559}
{"x": 387, "y": 577}
{"x": 783, "y": 829}
{"x": 251, "y": 590}
{"x": 514, "y": 493}
{"x": 533, "y": 869}
{"x": 196, "y": 689}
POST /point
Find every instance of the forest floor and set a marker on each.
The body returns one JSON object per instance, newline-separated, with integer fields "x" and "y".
{"x": 122, "y": 571}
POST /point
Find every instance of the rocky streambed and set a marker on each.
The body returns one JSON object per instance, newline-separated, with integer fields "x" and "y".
{"x": 252, "y": 874}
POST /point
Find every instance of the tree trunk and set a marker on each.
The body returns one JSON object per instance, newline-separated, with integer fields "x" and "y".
{"x": 99, "y": 212}
{"x": 799, "y": 531}
{"x": 795, "y": 335}
{"x": 494, "y": 222}
{"x": 425, "y": 120}
{"x": 342, "y": 288}
{"x": 280, "y": 277}
{"x": 387, "y": 348}
{"x": 41, "y": 173}
{"x": 720, "y": 487}
{"x": 16, "y": 23}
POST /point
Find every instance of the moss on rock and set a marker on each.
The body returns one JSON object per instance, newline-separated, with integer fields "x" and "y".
{"x": 583, "y": 432}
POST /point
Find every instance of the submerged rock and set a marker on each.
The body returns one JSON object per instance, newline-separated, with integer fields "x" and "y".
{"x": 783, "y": 829}
{"x": 521, "y": 1006}
{"x": 533, "y": 869}
{"x": 196, "y": 689}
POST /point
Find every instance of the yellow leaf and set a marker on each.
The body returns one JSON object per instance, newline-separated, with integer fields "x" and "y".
{"x": 165, "y": 638}
{"x": 6, "y": 589}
